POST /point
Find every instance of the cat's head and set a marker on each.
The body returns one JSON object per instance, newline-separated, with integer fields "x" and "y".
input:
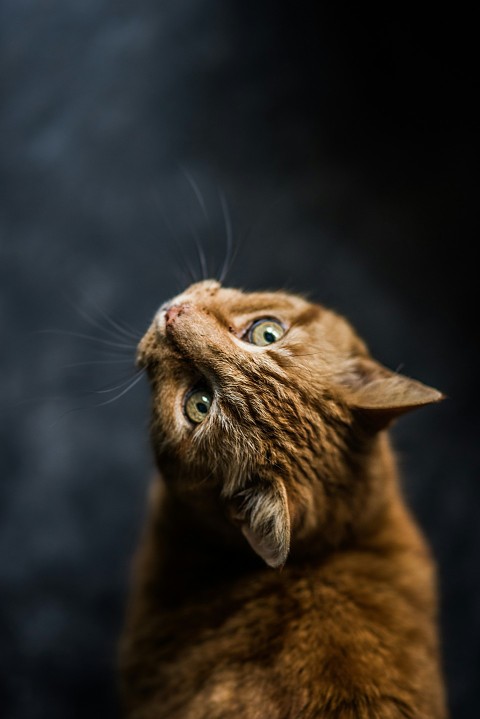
{"x": 275, "y": 402}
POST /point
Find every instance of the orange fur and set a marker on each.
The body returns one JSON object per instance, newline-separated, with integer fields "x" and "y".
{"x": 281, "y": 574}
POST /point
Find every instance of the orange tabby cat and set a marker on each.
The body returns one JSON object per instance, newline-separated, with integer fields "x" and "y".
{"x": 281, "y": 575}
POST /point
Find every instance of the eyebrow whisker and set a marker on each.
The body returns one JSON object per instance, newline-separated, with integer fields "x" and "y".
{"x": 228, "y": 236}
{"x": 180, "y": 260}
{"x": 200, "y": 252}
{"x": 196, "y": 190}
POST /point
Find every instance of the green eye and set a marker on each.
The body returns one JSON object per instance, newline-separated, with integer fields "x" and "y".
{"x": 265, "y": 332}
{"x": 197, "y": 405}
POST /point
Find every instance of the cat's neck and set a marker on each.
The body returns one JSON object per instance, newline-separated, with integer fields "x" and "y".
{"x": 197, "y": 531}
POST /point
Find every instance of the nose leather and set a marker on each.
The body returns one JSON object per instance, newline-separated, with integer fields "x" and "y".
{"x": 172, "y": 313}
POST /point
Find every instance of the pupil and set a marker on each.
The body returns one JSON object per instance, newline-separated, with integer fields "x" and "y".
{"x": 268, "y": 336}
{"x": 202, "y": 407}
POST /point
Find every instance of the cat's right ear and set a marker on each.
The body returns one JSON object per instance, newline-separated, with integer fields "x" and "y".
{"x": 380, "y": 395}
{"x": 261, "y": 511}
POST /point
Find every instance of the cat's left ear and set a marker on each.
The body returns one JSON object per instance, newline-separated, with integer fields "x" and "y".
{"x": 261, "y": 511}
{"x": 381, "y": 395}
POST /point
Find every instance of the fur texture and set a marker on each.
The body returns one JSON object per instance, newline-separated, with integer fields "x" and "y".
{"x": 280, "y": 573}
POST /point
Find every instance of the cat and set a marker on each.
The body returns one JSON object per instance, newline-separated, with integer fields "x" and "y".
{"x": 280, "y": 574}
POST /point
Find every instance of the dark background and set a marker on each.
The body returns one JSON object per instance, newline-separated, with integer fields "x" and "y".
{"x": 343, "y": 144}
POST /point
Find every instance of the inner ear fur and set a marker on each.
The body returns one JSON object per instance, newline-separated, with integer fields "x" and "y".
{"x": 379, "y": 395}
{"x": 261, "y": 511}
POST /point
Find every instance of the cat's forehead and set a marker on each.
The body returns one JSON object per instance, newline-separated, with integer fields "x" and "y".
{"x": 238, "y": 303}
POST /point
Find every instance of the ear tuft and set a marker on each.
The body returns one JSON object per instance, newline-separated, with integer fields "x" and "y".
{"x": 262, "y": 512}
{"x": 382, "y": 395}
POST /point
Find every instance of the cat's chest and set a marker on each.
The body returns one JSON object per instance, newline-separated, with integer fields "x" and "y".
{"x": 281, "y": 645}
{"x": 232, "y": 656}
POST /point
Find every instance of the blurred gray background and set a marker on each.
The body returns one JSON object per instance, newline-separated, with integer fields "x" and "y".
{"x": 339, "y": 147}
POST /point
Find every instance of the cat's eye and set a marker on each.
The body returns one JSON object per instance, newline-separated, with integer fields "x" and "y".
{"x": 197, "y": 405}
{"x": 265, "y": 332}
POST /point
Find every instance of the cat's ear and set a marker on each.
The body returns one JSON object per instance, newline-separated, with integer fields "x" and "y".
{"x": 261, "y": 511}
{"x": 380, "y": 395}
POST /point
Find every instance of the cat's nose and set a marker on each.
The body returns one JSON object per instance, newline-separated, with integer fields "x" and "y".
{"x": 172, "y": 313}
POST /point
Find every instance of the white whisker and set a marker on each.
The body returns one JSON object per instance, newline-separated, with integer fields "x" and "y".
{"x": 137, "y": 379}
{"x": 197, "y": 192}
{"x": 90, "y": 338}
{"x": 96, "y": 362}
{"x": 228, "y": 236}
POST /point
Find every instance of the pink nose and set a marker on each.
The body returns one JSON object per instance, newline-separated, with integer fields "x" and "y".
{"x": 172, "y": 313}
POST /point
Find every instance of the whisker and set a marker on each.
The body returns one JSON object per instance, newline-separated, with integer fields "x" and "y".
{"x": 104, "y": 390}
{"x": 196, "y": 190}
{"x": 122, "y": 326}
{"x": 179, "y": 260}
{"x": 67, "y": 412}
{"x": 200, "y": 252}
{"x": 118, "y": 332}
{"x": 229, "y": 237}
{"x": 234, "y": 256}
{"x": 132, "y": 384}
{"x": 181, "y": 276}
{"x": 182, "y": 279}
{"x": 85, "y": 393}
{"x": 90, "y": 338}
{"x": 101, "y": 353}
{"x": 96, "y": 362}
{"x": 194, "y": 186}
{"x": 188, "y": 264}
{"x": 136, "y": 380}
